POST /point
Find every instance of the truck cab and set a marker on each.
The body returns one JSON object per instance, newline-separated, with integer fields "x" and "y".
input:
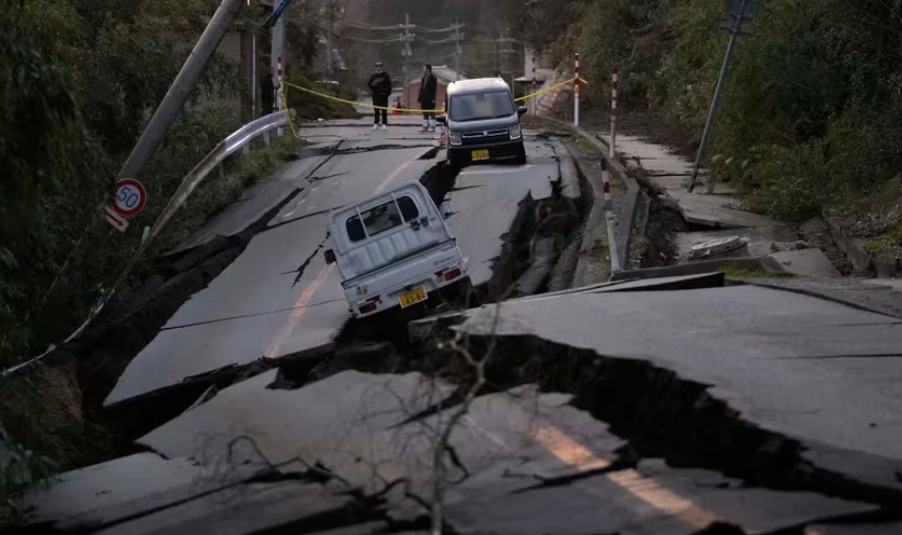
{"x": 483, "y": 122}
{"x": 395, "y": 250}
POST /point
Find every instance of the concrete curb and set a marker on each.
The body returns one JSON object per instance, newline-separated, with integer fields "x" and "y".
{"x": 628, "y": 216}
{"x": 885, "y": 267}
{"x": 618, "y": 171}
{"x": 764, "y": 264}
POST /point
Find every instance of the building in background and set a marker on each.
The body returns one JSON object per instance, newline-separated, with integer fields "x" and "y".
{"x": 523, "y": 85}
{"x": 410, "y": 92}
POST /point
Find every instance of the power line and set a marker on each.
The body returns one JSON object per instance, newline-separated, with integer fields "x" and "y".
{"x": 451, "y": 39}
{"x": 364, "y": 26}
{"x": 375, "y": 41}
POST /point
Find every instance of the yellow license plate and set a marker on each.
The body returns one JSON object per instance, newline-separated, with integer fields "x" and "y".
{"x": 478, "y": 155}
{"x": 412, "y": 297}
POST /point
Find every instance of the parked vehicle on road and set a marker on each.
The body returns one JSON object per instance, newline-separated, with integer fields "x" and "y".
{"x": 482, "y": 122}
{"x": 395, "y": 250}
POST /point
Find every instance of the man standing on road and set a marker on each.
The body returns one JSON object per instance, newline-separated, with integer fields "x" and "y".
{"x": 428, "y": 91}
{"x": 380, "y": 87}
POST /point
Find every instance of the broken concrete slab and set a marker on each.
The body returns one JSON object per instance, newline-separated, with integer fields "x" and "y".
{"x": 177, "y": 355}
{"x": 123, "y": 488}
{"x": 247, "y": 509}
{"x": 760, "y": 266}
{"x": 859, "y": 293}
{"x": 279, "y": 298}
{"x": 895, "y": 284}
{"x": 671, "y": 172}
{"x": 255, "y": 203}
{"x": 788, "y": 363}
{"x": 347, "y": 424}
{"x": 806, "y": 262}
{"x": 486, "y": 202}
{"x": 716, "y": 211}
{"x": 650, "y": 498}
{"x": 569, "y": 176}
{"x": 727, "y": 247}
{"x": 877, "y": 527}
{"x": 759, "y": 244}
{"x": 354, "y": 177}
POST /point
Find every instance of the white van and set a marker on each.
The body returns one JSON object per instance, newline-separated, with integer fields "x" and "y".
{"x": 395, "y": 250}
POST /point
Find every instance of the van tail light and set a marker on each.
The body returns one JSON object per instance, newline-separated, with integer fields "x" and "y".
{"x": 369, "y": 306}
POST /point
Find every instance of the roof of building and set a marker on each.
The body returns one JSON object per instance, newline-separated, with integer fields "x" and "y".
{"x": 478, "y": 84}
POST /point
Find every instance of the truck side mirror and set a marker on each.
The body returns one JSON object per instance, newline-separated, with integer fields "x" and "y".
{"x": 329, "y": 255}
{"x": 522, "y": 110}
{"x": 441, "y": 119}
{"x": 445, "y": 209}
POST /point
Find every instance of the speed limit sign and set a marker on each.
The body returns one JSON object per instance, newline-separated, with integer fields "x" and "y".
{"x": 130, "y": 197}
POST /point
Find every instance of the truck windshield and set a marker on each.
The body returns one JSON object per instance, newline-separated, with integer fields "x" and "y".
{"x": 381, "y": 219}
{"x": 481, "y": 106}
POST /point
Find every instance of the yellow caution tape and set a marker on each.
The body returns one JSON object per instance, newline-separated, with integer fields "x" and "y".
{"x": 402, "y": 110}
{"x": 548, "y": 89}
{"x": 284, "y": 95}
{"x": 363, "y": 104}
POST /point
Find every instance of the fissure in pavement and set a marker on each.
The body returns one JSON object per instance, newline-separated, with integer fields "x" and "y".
{"x": 664, "y": 415}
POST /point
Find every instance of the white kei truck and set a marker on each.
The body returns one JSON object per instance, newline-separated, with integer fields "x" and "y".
{"x": 395, "y": 250}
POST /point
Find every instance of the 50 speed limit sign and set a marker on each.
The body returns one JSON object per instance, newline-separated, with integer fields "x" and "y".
{"x": 130, "y": 197}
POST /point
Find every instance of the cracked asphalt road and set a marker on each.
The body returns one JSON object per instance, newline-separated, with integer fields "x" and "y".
{"x": 280, "y": 298}
{"x": 523, "y": 461}
{"x": 264, "y": 304}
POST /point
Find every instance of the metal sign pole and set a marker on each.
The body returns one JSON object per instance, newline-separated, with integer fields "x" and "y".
{"x": 576, "y": 93}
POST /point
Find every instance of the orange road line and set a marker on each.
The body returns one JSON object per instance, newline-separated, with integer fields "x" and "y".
{"x": 299, "y": 308}
{"x": 391, "y": 178}
{"x": 645, "y": 488}
{"x": 301, "y": 305}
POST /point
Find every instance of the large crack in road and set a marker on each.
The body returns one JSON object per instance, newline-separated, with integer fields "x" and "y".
{"x": 561, "y": 428}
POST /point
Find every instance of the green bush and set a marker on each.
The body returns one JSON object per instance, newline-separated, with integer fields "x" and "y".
{"x": 811, "y": 108}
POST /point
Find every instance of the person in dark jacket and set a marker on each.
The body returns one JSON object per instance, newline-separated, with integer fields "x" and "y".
{"x": 428, "y": 92}
{"x": 380, "y": 87}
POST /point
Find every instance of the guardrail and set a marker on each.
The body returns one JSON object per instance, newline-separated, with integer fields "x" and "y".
{"x": 240, "y": 140}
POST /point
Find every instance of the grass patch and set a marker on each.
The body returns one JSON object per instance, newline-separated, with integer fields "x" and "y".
{"x": 584, "y": 144}
{"x": 225, "y": 187}
{"x": 734, "y": 273}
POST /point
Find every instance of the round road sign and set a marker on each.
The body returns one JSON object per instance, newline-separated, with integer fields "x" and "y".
{"x": 130, "y": 197}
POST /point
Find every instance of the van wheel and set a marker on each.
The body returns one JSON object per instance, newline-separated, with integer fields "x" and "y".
{"x": 455, "y": 160}
{"x": 521, "y": 155}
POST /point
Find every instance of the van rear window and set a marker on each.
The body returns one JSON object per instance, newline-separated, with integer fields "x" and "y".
{"x": 382, "y": 218}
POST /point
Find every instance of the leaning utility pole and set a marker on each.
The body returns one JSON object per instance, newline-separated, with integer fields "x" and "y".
{"x": 181, "y": 88}
{"x": 330, "y": 38}
{"x": 458, "y": 44}
{"x": 741, "y": 13}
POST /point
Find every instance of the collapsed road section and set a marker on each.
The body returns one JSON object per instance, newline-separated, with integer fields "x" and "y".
{"x": 279, "y": 300}
{"x": 672, "y": 406}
